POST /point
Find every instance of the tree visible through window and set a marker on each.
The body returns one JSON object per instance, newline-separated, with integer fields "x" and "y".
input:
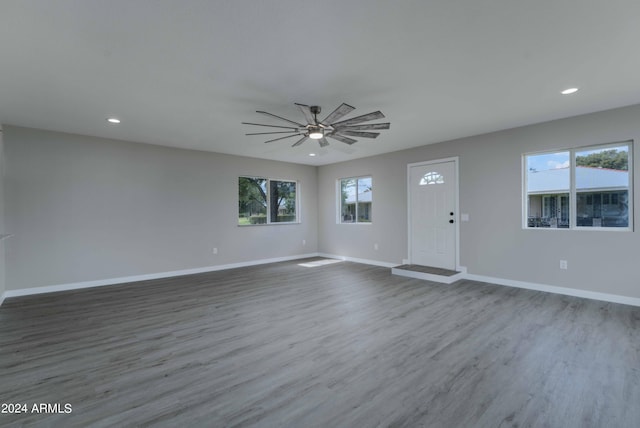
{"x": 265, "y": 201}
{"x": 355, "y": 200}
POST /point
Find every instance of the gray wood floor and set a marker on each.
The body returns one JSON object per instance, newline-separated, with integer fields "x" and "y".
{"x": 339, "y": 345}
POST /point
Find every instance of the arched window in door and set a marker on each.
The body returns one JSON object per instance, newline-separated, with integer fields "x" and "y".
{"x": 432, "y": 178}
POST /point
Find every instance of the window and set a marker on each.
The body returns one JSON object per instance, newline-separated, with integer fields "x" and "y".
{"x": 587, "y": 187}
{"x": 266, "y": 201}
{"x": 355, "y": 199}
{"x": 431, "y": 178}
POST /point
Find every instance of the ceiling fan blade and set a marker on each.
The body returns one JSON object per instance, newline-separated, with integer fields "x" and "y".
{"x": 323, "y": 142}
{"x": 281, "y": 138}
{"x": 342, "y": 138}
{"x": 364, "y": 127}
{"x": 360, "y": 133}
{"x": 306, "y": 110}
{"x": 300, "y": 141}
{"x": 277, "y": 132}
{"x": 342, "y": 110}
{"x": 270, "y": 126}
{"x": 365, "y": 117}
{"x": 281, "y": 118}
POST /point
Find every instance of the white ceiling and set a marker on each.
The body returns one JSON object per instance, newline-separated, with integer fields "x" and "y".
{"x": 186, "y": 73}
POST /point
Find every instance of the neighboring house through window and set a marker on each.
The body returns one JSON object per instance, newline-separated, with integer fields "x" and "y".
{"x": 587, "y": 187}
{"x": 355, "y": 200}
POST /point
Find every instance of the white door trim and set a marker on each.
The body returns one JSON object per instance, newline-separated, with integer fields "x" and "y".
{"x": 455, "y": 161}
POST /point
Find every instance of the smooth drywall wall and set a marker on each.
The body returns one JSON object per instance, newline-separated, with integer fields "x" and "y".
{"x": 2, "y": 228}
{"x": 85, "y": 209}
{"x": 493, "y": 243}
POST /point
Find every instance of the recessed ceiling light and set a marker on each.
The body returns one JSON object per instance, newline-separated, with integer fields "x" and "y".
{"x": 113, "y": 120}
{"x": 569, "y": 91}
{"x": 312, "y": 154}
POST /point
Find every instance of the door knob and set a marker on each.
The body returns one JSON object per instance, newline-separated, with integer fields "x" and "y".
{"x": 450, "y": 221}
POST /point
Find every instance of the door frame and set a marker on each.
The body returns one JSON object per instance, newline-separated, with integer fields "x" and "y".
{"x": 456, "y": 199}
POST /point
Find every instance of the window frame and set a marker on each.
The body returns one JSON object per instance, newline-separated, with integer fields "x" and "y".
{"x": 268, "y": 221}
{"x": 339, "y": 200}
{"x": 573, "y": 187}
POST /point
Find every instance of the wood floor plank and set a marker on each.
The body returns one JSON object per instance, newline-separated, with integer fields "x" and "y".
{"x": 340, "y": 344}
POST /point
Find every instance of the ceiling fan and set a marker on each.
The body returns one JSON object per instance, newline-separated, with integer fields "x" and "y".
{"x": 328, "y": 127}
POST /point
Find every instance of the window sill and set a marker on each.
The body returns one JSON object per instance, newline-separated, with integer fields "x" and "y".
{"x": 584, "y": 229}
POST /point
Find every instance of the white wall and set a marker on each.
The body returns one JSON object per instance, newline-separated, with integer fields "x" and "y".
{"x": 493, "y": 242}
{"x": 85, "y": 209}
{"x": 2, "y": 228}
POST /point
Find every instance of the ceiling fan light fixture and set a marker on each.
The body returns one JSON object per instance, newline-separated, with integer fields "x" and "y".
{"x": 315, "y": 132}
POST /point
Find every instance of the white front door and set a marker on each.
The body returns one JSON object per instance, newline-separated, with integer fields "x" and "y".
{"x": 432, "y": 214}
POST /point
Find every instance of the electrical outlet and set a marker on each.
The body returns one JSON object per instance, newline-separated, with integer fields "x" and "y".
{"x": 375, "y": 246}
{"x": 563, "y": 264}
{"x": 304, "y": 242}
{"x": 215, "y": 250}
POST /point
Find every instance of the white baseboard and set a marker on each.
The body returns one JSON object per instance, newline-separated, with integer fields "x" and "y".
{"x": 357, "y": 260}
{"x": 594, "y": 295}
{"x": 135, "y": 278}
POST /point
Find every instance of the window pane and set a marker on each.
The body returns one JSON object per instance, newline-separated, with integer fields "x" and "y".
{"x": 348, "y": 200}
{"x": 252, "y": 200}
{"x": 282, "y": 205}
{"x": 431, "y": 177}
{"x": 593, "y": 211}
{"x": 548, "y": 183}
{"x": 549, "y": 210}
{"x": 365, "y": 192}
{"x": 602, "y": 187}
{"x": 548, "y": 172}
{"x": 355, "y": 200}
